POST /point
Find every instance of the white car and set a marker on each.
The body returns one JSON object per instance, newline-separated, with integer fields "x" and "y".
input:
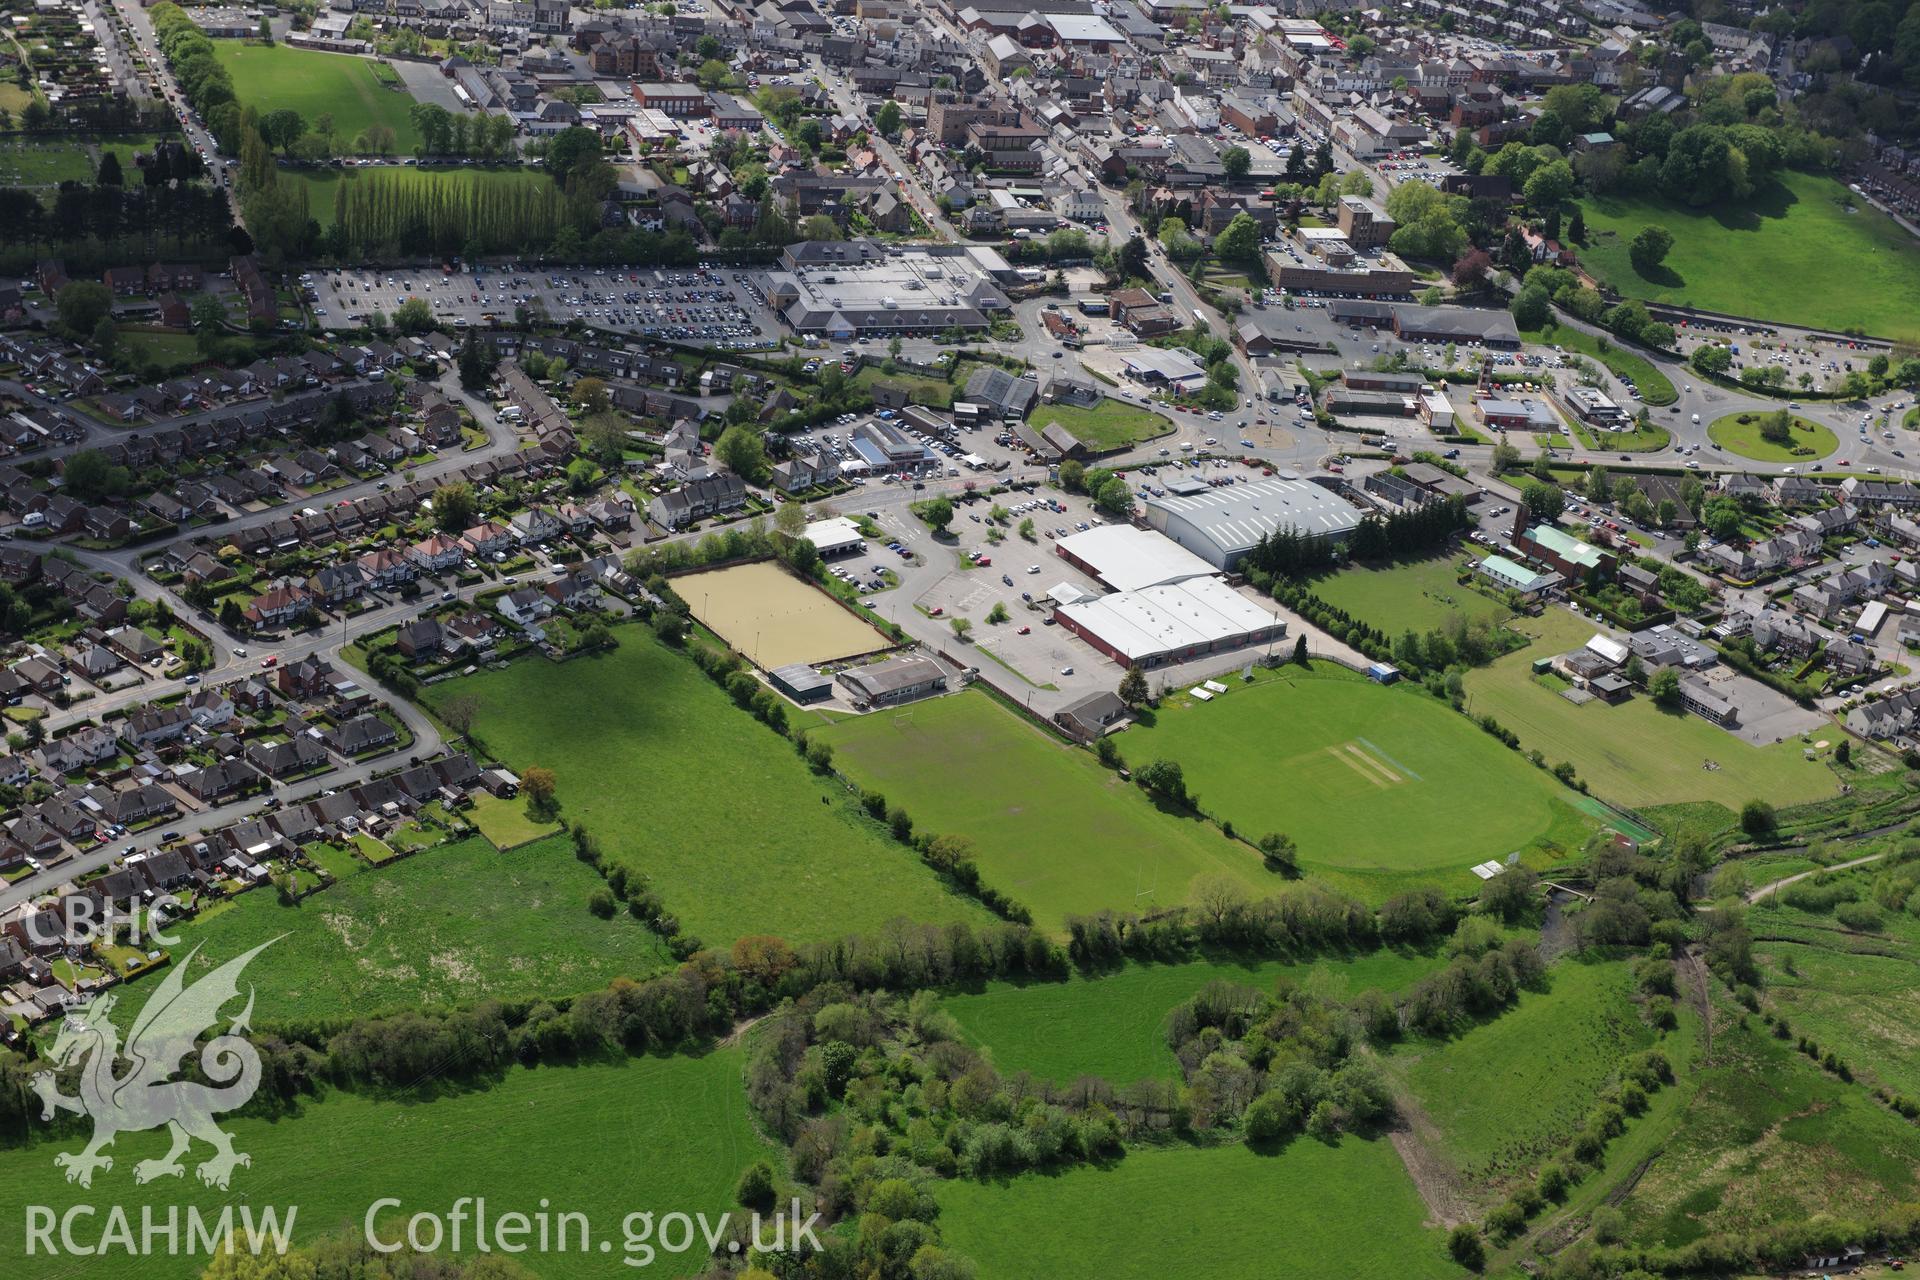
{"x": 1033, "y": 568}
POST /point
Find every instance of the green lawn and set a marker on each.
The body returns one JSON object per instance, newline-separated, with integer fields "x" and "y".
{"x": 719, "y": 811}
{"x": 1772, "y": 257}
{"x": 314, "y": 83}
{"x": 1118, "y": 1020}
{"x": 1416, "y": 594}
{"x": 1634, "y": 753}
{"x": 1222, "y": 1213}
{"x": 1740, "y": 433}
{"x": 935, "y": 393}
{"x": 1373, "y": 782}
{"x": 505, "y": 821}
{"x": 1648, "y": 439}
{"x": 1511, "y": 1090}
{"x": 455, "y": 183}
{"x": 1655, "y": 387}
{"x": 36, "y": 164}
{"x": 1051, "y": 827}
{"x": 447, "y": 926}
{"x": 647, "y": 1134}
{"x": 169, "y": 351}
{"x": 1111, "y": 424}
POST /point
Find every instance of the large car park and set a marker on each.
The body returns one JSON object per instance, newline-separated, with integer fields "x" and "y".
{"x": 705, "y": 305}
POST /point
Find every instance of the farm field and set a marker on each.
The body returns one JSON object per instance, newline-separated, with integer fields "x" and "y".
{"x": 1771, "y": 1139}
{"x": 1111, "y": 424}
{"x": 773, "y": 618}
{"x": 1417, "y": 595}
{"x": 1051, "y": 827}
{"x": 447, "y": 926}
{"x": 1798, "y": 227}
{"x": 1218, "y": 1212}
{"x": 322, "y": 184}
{"x": 1844, "y": 988}
{"x": 1740, "y": 433}
{"x": 314, "y": 84}
{"x": 719, "y": 811}
{"x": 1655, "y": 387}
{"x": 1373, "y": 784}
{"x": 677, "y": 1128}
{"x": 1634, "y": 753}
{"x": 1510, "y": 1091}
{"x": 1118, "y": 1019}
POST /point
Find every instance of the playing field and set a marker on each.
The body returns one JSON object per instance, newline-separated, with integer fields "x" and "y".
{"x": 447, "y": 926}
{"x": 716, "y": 809}
{"x": 1051, "y": 827}
{"x": 1111, "y": 424}
{"x": 313, "y": 83}
{"x": 774, "y": 618}
{"x": 658, "y": 1134}
{"x": 1222, "y": 1213}
{"x": 1635, "y": 753}
{"x": 1374, "y": 782}
{"x": 1418, "y": 595}
{"x": 1797, "y": 228}
{"x": 1119, "y": 1019}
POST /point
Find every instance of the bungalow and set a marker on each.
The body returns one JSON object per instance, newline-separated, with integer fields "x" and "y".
{"x": 360, "y": 735}
{"x": 216, "y": 781}
{"x": 279, "y": 759}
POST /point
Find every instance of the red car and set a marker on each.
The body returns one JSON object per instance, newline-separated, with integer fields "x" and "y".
{"x": 1025, "y": 631}
{"x": 272, "y": 661}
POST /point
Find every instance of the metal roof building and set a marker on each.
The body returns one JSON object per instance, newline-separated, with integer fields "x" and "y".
{"x": 1174, "y": 622}
{"x": 1126, "y": 558}
{"x": 1220, "y": 525}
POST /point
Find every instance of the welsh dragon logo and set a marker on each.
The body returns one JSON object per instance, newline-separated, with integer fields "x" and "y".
{"x": 147, "y": 1096}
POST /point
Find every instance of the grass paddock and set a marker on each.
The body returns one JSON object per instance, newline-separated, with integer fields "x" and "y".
{"x": 270, "y": 77}
{"x": 1051, "y": 827}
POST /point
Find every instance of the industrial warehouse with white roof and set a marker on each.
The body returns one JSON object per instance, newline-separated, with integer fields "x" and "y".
{"x": 1220, "y": 525}
{"x": 1126, "y": 558}
{"x": 1172, "y": 622}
